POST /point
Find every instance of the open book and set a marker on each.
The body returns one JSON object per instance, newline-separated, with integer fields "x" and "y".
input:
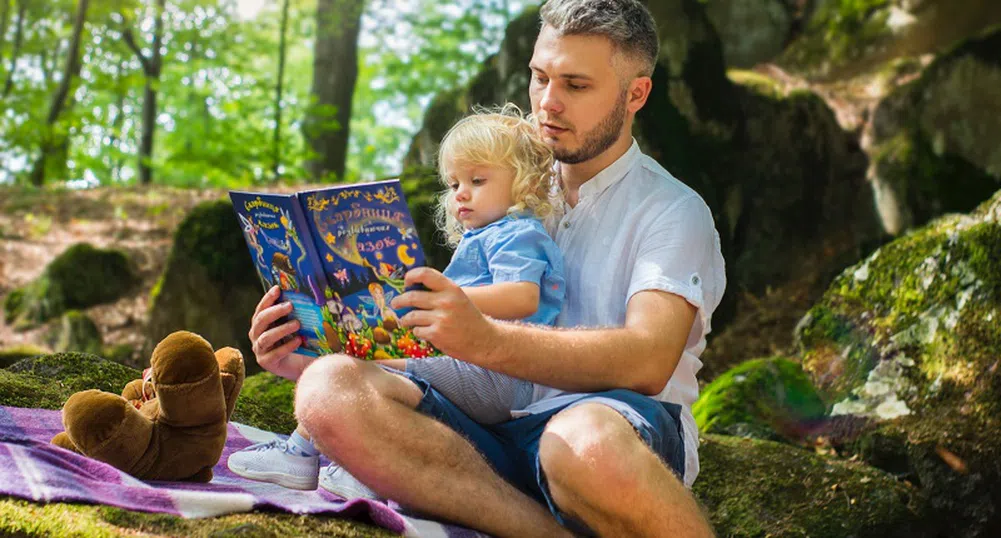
{"x": 339, "y": 255}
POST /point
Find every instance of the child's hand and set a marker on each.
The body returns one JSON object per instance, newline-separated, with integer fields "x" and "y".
{"x": 264, "y": 337}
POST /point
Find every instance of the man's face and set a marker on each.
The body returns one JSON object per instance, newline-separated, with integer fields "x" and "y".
{"x": 577, "y": 94}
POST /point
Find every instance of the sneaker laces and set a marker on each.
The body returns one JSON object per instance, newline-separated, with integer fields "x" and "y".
{"x": 274, "y": 443}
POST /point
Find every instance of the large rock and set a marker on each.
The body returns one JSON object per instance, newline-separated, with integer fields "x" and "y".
{"x": 80, "y": 277}
{"x": 908, "y": 339}
{"x": 933, "y": 142}
{"x": 846, "y": 37}
{"x": 763, "y": 398}
{"x": 75, "y": 331}
{"x": 209, "y": 285}
{"x": 755, "y": 31}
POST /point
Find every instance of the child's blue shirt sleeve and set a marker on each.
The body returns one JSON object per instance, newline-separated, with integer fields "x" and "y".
{"x": 522, "y": 251}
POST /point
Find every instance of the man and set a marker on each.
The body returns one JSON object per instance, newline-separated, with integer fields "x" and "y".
{"x": 594, "y": 451}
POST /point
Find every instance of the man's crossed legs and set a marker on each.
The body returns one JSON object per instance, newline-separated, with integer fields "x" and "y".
{"x": 398, "y": 436}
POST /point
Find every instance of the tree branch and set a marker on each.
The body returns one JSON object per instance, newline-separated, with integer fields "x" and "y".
{"x": 130, "y": 40}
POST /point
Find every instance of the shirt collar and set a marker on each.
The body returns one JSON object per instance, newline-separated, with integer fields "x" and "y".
{"x": 506, "y": 218}
{"x": 611, "y": 174}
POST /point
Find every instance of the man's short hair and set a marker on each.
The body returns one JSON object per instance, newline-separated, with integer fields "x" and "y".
{"x": 627, "y": 23}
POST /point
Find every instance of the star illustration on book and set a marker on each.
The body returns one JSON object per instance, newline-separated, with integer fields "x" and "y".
{"x": 406, "y": 233}
{"x": 330, "y": 257}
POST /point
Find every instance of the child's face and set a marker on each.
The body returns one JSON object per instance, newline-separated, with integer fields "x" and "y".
{"x": 481, "y": 194}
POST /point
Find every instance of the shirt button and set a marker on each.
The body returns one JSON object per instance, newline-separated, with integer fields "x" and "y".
{"x": 566, "y": 224}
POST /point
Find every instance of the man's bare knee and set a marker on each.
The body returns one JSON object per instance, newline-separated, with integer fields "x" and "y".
{"x": 583, "y": 453}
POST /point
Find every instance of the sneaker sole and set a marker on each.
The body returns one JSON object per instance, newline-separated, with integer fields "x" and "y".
{"x": 291, "y": 482}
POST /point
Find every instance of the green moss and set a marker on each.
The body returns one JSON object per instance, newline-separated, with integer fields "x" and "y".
{"x": 267, "y": 402}
{"x": 764, "y": 397}
{"x": 759, "y": 489}
{"x": 421, "y": 187}
{"x": 60, "y": 520}
{"x": 839, "y": 31}
{"x": 80, "y": 277}
{"x": 55, "y": 377}
{"x": 210, "y": 236}
{"x": 760, "y": 84}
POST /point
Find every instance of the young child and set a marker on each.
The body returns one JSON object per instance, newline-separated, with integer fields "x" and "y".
{"x": 499, "y": 178}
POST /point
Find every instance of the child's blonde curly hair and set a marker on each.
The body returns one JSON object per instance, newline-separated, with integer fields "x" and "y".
{"x": 505, "y": 137}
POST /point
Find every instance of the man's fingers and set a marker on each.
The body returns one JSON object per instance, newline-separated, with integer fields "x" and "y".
{"x": 279, "y": 353}
{"x": 263, "y": 319}
{"x": 272, "y": 336}
{"x": 417, "y": 318}
{"x": 431, "y": 278}
{"x": 413, "y": 299}
{"x": 269, "y": 299}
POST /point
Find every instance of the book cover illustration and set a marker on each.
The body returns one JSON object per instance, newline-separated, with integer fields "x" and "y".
{"x": 366, "y": 241}
{"x": 277, "y": 236}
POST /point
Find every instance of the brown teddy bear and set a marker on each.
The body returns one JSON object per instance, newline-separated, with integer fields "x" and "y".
{"x": 170, "y": 425}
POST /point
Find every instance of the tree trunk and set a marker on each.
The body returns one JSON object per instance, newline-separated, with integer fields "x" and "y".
{"x": 151, "y": 69}
{"x": 335, "y": 70}
{"x": 22, "y": 8}
{"x": 51, "y": 139}
{"x": 276, "y": 166}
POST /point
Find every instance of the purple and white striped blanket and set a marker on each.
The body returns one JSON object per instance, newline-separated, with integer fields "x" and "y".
{"x": 31, "y": 468}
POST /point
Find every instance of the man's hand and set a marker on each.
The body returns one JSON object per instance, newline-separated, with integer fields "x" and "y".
{"x": 445, "y": 316}
{"x": 277, "y": 360}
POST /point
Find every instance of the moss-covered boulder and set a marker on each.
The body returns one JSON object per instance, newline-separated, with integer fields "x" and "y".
{"x": 757, "y": 489}
{"x": 209, "y": 285}
{"x": 422, "y": 188}
{"x": 46, "y": 381}
{"x": 846, "y": 37}
{"x": 909, "y": 338}
{"x": 80, "y": 277}
{"x": 934, "y": 141}
{"x": 763, "y": 398}
{"x": 75, "y": 331}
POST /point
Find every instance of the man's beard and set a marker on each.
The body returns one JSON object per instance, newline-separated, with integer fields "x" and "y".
{"x": 596, "y": 141}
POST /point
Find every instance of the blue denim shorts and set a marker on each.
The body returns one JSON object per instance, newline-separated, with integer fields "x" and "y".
{"x": 512, "y": 448}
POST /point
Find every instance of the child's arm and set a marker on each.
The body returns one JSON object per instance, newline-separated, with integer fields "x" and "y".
{"x": 505, "y": 300}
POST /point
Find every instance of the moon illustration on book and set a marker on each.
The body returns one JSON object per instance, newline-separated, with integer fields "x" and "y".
{"x": 404, "y": 256}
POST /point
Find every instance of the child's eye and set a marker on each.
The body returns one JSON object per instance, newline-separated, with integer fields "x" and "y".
{"x": 479, "y": 180}
{"x": 453, "y": 186}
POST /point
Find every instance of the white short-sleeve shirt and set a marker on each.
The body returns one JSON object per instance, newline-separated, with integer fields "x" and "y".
{"x": 635, "y": 228}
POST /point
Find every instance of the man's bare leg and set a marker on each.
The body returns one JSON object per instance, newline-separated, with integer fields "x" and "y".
{"x": 365, "y": 419}
{"x": 602, "y": 473}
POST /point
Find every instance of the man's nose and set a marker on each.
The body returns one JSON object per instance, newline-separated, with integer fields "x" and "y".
{"x": 551, "y": 101}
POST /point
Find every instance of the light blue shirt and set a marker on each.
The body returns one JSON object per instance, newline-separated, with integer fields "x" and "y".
{"x": 515, "y": 248}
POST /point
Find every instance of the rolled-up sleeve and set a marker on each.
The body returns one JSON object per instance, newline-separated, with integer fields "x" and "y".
{"x": 679, "y": 253}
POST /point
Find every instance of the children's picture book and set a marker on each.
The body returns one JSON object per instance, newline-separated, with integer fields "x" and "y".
{"x": 339, "y": 255}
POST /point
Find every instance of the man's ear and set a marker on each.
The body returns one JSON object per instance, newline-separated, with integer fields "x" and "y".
{"x": 638, "y": 92}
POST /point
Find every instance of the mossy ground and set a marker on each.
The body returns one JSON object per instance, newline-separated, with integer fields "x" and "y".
{"x": 760, "y": 489}
{"x": 58, "y": 520}
{"x": 266, "y": 402}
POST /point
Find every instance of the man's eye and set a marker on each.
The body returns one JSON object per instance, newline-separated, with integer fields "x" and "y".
{"x": 539, "y": 79}
{"x": 576, "y": 87}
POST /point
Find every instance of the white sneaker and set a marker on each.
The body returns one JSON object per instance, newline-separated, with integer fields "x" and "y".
{"x": 278, "y": 463}
{"x": 338, "y": 480}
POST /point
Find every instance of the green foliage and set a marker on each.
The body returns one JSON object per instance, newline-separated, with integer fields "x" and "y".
{"x": 216, "y": 90}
